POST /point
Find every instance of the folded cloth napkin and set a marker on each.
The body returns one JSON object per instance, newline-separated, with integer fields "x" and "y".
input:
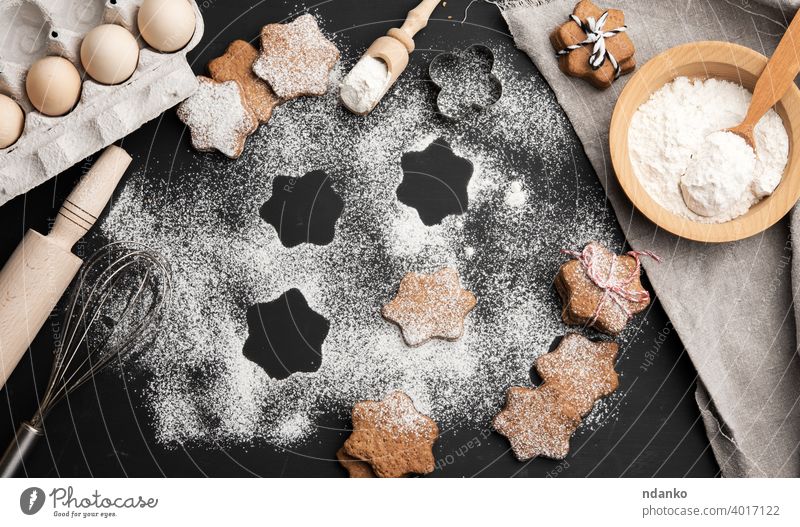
{"x": 731, "y": 304}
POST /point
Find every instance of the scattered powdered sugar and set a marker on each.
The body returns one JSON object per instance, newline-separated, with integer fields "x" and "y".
{"x": 292, "y": 429}
{"x": 204, "y": 218}
{"x": 670, "y": 128}
{"x": 516, "y": 196}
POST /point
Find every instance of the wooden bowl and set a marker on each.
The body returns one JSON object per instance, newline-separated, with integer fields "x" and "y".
{"x": 722, "y": 60}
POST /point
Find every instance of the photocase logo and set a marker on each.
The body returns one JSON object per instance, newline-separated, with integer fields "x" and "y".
{"x": 31, "y": 500}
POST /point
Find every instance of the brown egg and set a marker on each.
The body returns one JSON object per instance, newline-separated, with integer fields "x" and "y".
{"x": 12, "y": 121}
{"x": 109, "y": 54}
{"x": 166, "y": 25}
{"x": 53, "y": 85}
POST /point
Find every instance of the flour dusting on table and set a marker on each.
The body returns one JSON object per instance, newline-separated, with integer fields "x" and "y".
{"x": 226, "y": 258}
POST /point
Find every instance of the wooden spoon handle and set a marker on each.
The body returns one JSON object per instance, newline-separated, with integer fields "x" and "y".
{"x": 418, "y": 17}
{"x": 779, "y": 74}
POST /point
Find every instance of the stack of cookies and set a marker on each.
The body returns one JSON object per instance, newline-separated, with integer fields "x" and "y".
{"x": 599, "y": 290}
{"x": 539, "y": 421}
{"x": 246, "y": 85}
{"x": 390, "y": 439}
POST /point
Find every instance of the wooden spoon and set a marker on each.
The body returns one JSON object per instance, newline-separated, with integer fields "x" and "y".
{"x": 395, "y": 47}
{"x": 721, "y": 171}
{"x": 776, "y": 78}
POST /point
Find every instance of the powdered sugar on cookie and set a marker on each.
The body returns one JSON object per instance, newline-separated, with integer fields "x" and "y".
{"x": 429, "y": 306}
{"x": 296, "y": 58}
{"x": 540, "y": 421}
{"x": 218, "y": 117}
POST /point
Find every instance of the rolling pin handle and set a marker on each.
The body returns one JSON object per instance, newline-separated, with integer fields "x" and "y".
{"x": 89, "y": 197}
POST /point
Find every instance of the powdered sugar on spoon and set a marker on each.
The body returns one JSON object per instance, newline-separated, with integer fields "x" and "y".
{"x": 721, "y": 172}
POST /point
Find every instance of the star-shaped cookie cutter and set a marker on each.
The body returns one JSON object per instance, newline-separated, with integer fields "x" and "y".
{"x": 460, "y": 91}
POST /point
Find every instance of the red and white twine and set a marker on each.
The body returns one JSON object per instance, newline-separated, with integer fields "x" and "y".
{"x": 618, "y": 289}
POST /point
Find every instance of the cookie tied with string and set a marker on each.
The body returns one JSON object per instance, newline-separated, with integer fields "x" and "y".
{"x": 593, "y": 44}
{"x": 600, "y": 289}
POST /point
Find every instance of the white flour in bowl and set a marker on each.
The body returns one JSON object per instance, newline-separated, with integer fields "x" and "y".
{"x": 673, "y": 125}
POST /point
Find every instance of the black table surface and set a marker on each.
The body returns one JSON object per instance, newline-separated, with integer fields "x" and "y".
{"x": 104, "y": 432}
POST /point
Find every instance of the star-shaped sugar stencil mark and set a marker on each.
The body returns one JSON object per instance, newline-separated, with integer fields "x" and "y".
{"x": 393, "y": 436}
{"x": 303, "y": 210}
{"x": 296, "y": 58}
{"x": 435, "y": 182}
{"x": 285, "y": 335}
{"x": 429, "y": 306}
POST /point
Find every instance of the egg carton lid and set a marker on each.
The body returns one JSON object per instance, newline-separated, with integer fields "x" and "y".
{"x": 104, "y": 114}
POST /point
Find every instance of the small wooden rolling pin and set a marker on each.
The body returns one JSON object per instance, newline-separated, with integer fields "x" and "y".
{"x": 42, "y": 267}
{"x": 395, "y": 47}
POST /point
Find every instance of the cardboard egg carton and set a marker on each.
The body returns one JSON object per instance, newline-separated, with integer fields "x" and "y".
{"x": 31, "y": 29}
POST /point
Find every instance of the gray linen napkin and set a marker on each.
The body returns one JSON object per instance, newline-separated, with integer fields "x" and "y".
{"x": 731, "y": 304}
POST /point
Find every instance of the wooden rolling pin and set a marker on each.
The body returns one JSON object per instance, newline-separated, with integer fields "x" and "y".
{"x": 42, "y": 267}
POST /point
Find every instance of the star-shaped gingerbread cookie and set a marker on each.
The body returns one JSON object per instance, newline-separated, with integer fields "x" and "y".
{"x": 616, "y": 43}
{"x": 392, "y": 436}
{"x": 540, "y": 421}
{"x": 237, "y": 65}
{"x": 537, "y": 422}
{"x": 430, "y": 306}
{"x": 218, "y": 117}
{"x": 581, "y": 370}
{"x": 354, "y": 466}
{"x": 296, "y": 59}
{"x": 600, "y": 289}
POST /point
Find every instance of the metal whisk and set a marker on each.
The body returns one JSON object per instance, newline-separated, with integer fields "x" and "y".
{"x": 113, "y": 308}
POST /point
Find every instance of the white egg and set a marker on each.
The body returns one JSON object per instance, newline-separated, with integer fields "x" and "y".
{"x": 166, "y": 25}
{"x": 109, "y": 54}
{"x": 12, "y": 121}
{"x": 53, "y": 85}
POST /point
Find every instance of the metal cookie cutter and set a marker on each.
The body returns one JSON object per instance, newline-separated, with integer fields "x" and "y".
{"x": 466, "y": 81}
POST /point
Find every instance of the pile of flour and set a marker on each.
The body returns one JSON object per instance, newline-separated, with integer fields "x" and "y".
{"x": 672, "y": 127}
{"x": 366, "y": 83}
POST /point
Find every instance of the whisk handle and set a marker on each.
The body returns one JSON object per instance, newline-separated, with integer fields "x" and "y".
{"x": 14, "y": 458}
